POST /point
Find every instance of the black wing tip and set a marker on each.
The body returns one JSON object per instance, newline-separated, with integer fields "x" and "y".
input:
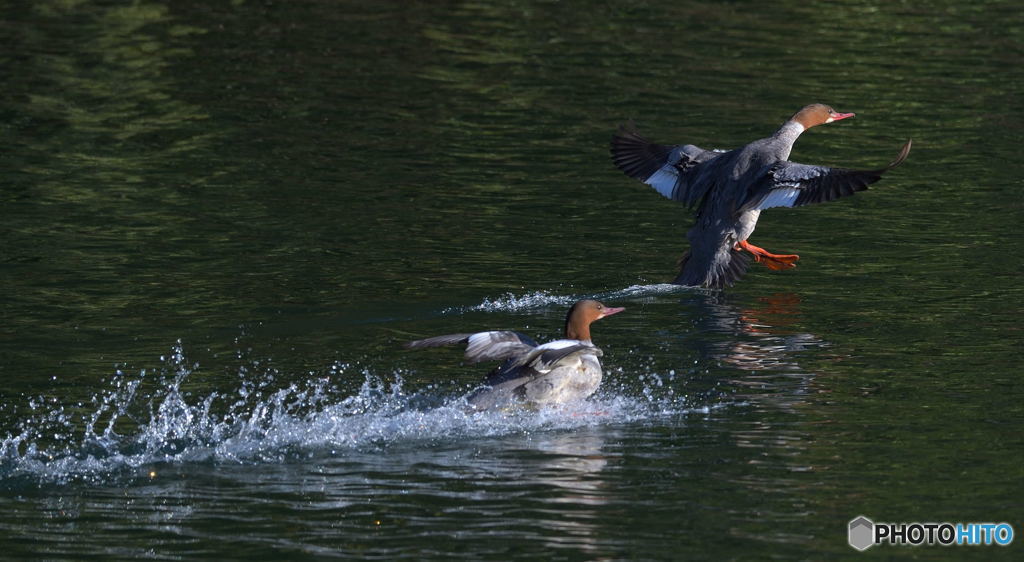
{"x": 634, "y": 154}
{"x": 857, "y": 181}
{"x": 627, "y": 137}
{"x": 628, "y": 128}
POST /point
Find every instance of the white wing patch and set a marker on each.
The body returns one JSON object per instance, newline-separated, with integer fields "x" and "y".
{"x": 664, "y": 180}
{"x": 558, "y": 344}
{"x": 783, "y": 196}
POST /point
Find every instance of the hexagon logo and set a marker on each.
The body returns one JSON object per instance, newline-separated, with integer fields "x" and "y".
{"x": 861, "y": 533}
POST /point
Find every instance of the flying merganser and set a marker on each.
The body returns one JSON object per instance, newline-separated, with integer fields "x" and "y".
{"x": 730, "y": 189}
{"x": 557, "y": 372}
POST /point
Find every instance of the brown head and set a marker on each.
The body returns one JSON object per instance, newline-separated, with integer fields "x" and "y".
{"x": 582, "y": 314}
{"x": 817, "y": 114}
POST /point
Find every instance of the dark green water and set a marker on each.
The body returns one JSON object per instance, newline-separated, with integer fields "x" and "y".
{"x": 221, "y": 219}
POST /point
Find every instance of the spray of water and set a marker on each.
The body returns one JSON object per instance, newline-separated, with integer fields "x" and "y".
{"x": 148, "y": 418}
{"x": 511, "y": 302}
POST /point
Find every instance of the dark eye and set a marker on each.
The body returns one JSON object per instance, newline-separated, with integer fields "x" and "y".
{"x": 600, "y": 306}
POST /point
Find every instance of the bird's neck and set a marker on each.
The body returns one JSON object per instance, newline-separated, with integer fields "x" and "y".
{"x": 787, "y": 135}
{"x": 577, "y": 332}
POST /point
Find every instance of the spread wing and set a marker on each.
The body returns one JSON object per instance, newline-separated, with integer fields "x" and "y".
{"x": 548, "y": 356}
{"x": 673, "y": 171}
{"x": 788, "y": 184}
{"x": 496, "y": 345}
{"x": 540, "y": 361}
{"x": 503, "y": 381}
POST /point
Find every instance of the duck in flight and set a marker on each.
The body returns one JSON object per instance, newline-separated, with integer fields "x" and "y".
{"x": 558, "y": 372}
{"x": 730, "y": 189}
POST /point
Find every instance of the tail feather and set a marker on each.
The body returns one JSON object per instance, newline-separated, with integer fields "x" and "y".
{"x": 716, "y": 273}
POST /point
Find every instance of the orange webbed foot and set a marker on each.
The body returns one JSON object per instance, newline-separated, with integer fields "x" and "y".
{"x": 775, "y": 262}
{"x": 780, "y": 262}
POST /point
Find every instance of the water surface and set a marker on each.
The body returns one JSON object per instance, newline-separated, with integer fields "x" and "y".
{"x": 220, "y": 222}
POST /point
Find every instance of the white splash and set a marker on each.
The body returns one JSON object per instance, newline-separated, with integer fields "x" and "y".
{"x": 150, "y": 418}
{"x": 511, "y": 302}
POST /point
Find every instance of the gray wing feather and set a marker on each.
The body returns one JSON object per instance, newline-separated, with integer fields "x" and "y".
{"x": 549, "y": 359}
{"x": 438, "y": 341}
{"x": 482, "y": 346}
{"x": 497, "y": 346}
{"x": 789, "y": 184}
{"x": 503, "y": 382}
{"x": 670, "y": 170}
{"x": 538, "y": 362}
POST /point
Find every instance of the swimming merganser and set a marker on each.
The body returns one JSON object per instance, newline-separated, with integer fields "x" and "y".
{"x": 730, "y": 189}
{"x": 557, "y": 372}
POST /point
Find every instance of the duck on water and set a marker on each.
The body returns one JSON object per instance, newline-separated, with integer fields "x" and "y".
{"x": 558, "y": 372}
{"x": 730, "y": 189}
